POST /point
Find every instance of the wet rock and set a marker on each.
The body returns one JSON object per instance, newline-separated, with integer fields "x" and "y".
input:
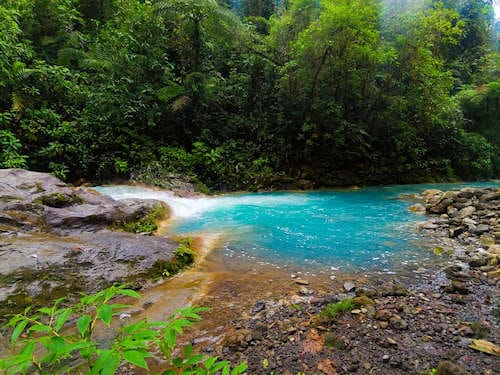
{"x": 418, "y": 208}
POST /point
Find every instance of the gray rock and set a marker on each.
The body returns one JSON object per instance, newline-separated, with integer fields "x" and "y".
{"x": 349, "y": 286}
{"x": 466, "y": 211}
{"x": 480, "y": 229}
{"x": 59, "y": 235}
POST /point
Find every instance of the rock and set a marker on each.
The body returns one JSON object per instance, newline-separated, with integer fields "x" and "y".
{"x": 480, "y": 229}
{"x": 478, "y": 261}
{"x": 466, "y": 211}
{"x": 392, "y": 289}
{"x": 383, "y": 315}
{"x": 487, "y": 240}
{"x": 362, "y": 301}
{"x": 429, "y": 225}
{"x": 349, "y": 286}
{"x": 258, "y": 307}
{"x": 450, "y": 368}
{"x": 301, "y": 282}
{"x": 490, "y": 196}
{"x": 383, "y": 324}
{"x": 459, "y": 287}
{"x": 418, "y": 208}
{"x": 391, "y": 341}
{"x": 457, "y": 271}
{"x": 440, "y": 207}
{"x": 60, "y": 234}
{"x": 305, "y": 292}
{"x": 455, "y": 231}
{"x": 356, "y": 311}
{"x": 386, "y": 358}
{"x": 397, "y": 322}
{"x": 494, "y": 249}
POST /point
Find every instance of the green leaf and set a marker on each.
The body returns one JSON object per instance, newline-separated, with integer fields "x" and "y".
{"x": 62, "y": 318}
{"x": 18, "y": 330}
{"x": 219, "y": 365}
{"x": 169, "y": 92}
{"x": 137, "y": 358}
{"x": 188, "y": 350}
{"x": 39, "y": 328}
{"x": 83, "y": 324}
{"x": 239, "y": 369}
{"x": 130, "y": 293}
{"x": 209, "y": 362}
{"x": 104, "y": 356}
{"x": 177, "y": 362}
{"x": 105, "y": 313}
{"x": 111, "y": 365}
{"x": 169, "y": 337}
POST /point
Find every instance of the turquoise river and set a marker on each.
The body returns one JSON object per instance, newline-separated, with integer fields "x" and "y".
{"x": 369, "y": 229}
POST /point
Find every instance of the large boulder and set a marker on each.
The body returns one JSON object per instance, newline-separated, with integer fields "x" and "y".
{"x": 56, "y": 239}
{"x": 34, "y": 201}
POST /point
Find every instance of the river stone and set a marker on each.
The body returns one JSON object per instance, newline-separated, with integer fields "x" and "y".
{"x": 418, "y": 208}
{"x": 349, "y": 286}
{"x": 466, "y": 211}
{"x": 34, "y": 201}
{"x": 480, "y": 229}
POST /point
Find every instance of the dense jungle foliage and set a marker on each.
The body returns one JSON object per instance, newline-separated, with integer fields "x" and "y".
{"x": 246, "y": 94}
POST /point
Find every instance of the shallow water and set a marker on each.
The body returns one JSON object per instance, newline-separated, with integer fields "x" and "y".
{"x": 368, "y": 229}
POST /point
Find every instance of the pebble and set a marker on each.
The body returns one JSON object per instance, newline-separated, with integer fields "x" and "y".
{"x": 385, "y": 358}
{"x": 305, "y": 292}
{"x": 391, "y": 341}
{"x": 301, "y": 282}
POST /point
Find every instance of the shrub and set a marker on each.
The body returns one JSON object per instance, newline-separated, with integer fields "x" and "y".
{"x": 56, "y": 340}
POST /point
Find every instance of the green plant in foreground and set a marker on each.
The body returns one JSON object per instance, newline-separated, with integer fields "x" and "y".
{"x": 56, "y": 340}
{"x": 333, "y": 309}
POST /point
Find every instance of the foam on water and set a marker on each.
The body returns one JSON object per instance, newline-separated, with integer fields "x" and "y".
{"x": 367, "y": 229}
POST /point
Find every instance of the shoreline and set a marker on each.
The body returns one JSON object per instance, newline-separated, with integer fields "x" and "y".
{"x": 415, "y": 322}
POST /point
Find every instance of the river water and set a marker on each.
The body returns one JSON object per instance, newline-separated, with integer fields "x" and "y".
{"x": 363, "y": 230}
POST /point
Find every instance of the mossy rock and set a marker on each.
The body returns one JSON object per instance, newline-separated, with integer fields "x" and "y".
{"x": 59, "y": 200}
{"x": 147, "y": 223}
